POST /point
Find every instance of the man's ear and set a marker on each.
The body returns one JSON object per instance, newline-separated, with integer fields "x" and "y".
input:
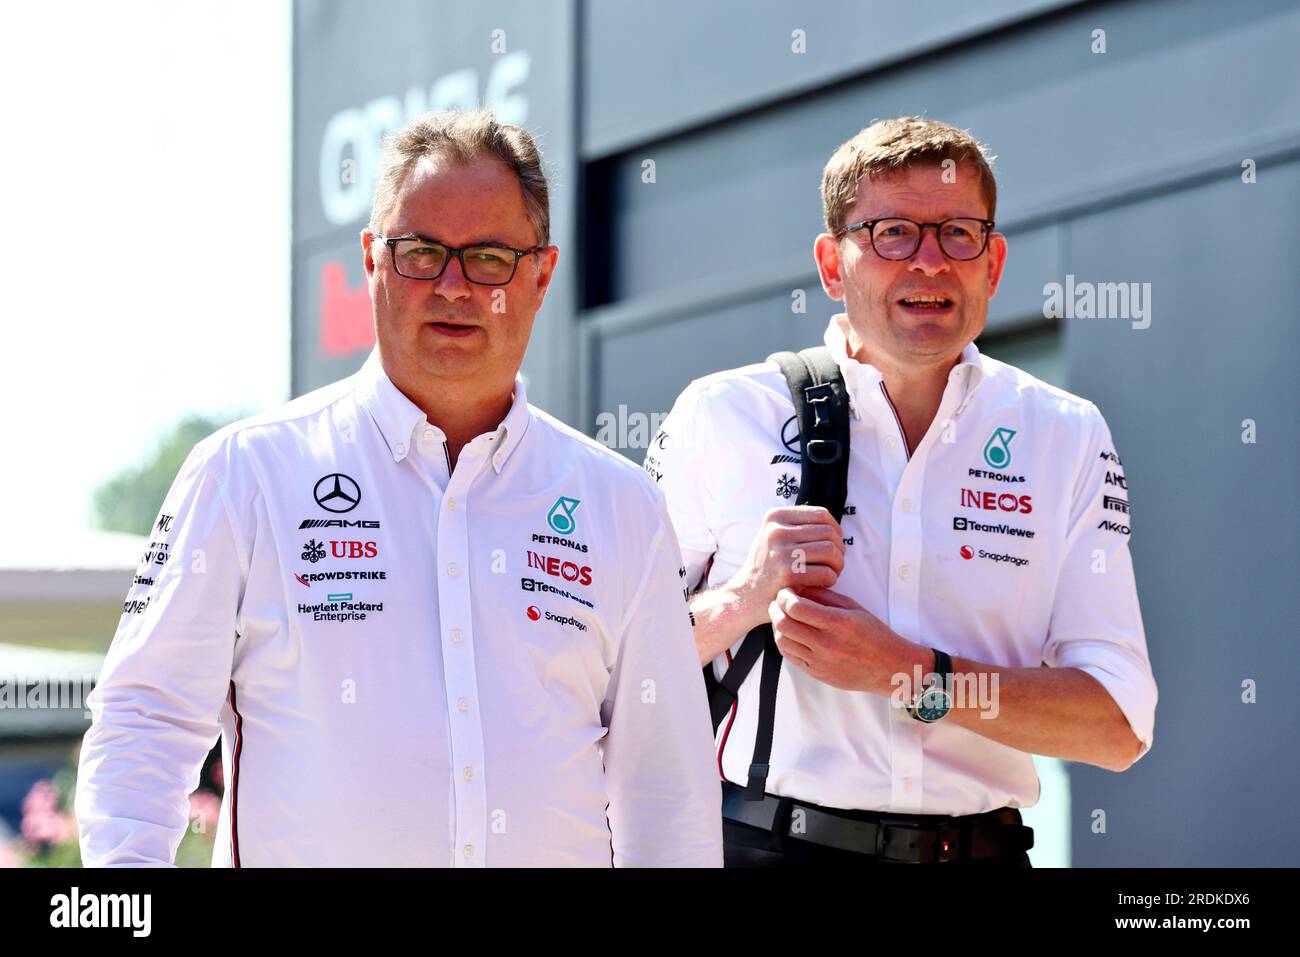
{"x": 368, "y": 259}
{"x": 826, "y": 253}
{"x": 997, "y": 254}
{"x": 546, "y": 260}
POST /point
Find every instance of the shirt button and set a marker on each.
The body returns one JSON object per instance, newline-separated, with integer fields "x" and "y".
{"x": 907, "y": 505}
{"x": 469, "y": 851}
{"x": 451, "y": 504}
{"x": 400, "y": 449}
{"x": 907, "y": 784}
{"x": 462, "y": 704}
{"x": 453, "y": 569}
{"x": 430, "y": 435}
{"x": 469, "y": 774}
{"x": 892, "y": 442}
{"x": 904, "y": 570}
{"x": 456, "y": 635}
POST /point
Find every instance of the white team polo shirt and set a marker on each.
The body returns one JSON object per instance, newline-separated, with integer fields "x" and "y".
{"x": 1003, "y": 537}
{"x": 408, "y": 665}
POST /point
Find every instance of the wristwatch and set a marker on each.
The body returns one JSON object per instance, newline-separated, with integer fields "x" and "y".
{"x": 934, "y": 700}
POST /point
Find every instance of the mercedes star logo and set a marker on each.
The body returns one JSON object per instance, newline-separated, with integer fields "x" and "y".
{"x": 790, "y": 435}
{"x": 337, "y": 493}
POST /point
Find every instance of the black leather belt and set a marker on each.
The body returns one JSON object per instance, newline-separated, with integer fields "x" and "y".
{"x": 890, "y": 837}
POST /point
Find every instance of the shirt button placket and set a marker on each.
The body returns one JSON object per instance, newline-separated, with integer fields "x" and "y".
{"x": 456, "y": 596}
{"x": 904, "y": 618}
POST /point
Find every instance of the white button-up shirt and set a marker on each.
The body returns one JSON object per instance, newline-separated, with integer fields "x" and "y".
{"x": 408, "y": 664}
{"x": 1003, "y": 537}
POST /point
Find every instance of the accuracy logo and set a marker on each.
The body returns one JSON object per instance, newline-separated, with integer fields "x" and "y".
{"x": 997, "y": 450}
{"x": 560, "y": 517}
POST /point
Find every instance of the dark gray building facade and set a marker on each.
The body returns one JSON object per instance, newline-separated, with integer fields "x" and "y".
{"x": 1147, "y": 151}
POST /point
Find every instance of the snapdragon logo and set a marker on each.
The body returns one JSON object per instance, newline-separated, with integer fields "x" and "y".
{"x": 1004, "y": 557}
{"x": 1098, "y": 300}
{"x": 102, "y": 910}
{"x": 536, "y": 614}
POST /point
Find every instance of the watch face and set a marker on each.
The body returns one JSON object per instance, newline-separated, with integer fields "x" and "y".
{"x": 934, "y": 704}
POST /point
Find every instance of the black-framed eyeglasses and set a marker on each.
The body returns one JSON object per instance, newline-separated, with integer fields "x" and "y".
{"x": 893, "y": 237}
{"x": 487, "y": 264}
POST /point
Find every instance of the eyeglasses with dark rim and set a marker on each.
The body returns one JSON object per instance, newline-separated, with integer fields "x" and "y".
{"x": 485, "y": 264}
{"x": 894, "y": 237}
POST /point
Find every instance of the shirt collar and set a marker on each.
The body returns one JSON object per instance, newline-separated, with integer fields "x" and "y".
{"x": 859, "y": 376}
{"x": 398, "y": 417}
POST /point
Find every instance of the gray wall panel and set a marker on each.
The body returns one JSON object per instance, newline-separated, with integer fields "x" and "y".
{"x": 1162, "y": 102}
{"x": 1216, "y": 533}
{"x": 653, "y": 69}
{"x": 645, "y": 368}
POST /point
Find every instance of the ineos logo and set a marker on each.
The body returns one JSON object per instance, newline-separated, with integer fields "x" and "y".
{"x": 337, "y": 493}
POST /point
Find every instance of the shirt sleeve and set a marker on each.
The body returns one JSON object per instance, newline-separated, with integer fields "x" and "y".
{"x": 674, "y": 460}
{"x": 664, "y": 796}
{"x": 1096, "y": 623}
{"x": 155, "y": 710}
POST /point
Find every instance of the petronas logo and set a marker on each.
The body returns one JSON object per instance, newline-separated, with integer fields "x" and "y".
{"x": 560, "y": 517}
{"x": 997, "y": 450}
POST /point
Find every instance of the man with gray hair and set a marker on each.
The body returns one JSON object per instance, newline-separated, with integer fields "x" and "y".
{"x": 433, "y": 625}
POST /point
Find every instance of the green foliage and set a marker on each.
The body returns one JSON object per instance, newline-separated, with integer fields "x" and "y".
{"x": 130, "y": 500}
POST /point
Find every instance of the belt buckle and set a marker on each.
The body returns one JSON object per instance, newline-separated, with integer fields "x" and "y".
{"x": 921, "y": 846}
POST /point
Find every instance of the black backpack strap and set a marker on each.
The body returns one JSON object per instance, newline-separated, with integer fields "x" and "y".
{"x": 822, "y": 411}
{"x": 821, "y": 407}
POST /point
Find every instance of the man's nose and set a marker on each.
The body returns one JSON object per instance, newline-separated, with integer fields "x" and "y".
{"x": 929, "y": 257}
{"x": 452, "y": 284}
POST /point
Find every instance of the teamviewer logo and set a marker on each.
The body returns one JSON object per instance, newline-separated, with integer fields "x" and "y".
{"x": 528, "y": 584}
{"x": 959, "y": 523}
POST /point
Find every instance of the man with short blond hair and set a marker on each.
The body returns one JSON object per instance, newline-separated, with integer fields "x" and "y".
{"x": 433, "y": 625}
{"x": 976, "y": 603}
